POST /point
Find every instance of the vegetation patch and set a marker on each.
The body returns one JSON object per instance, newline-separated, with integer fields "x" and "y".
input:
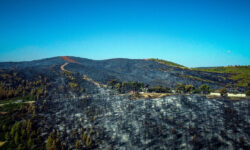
{"x": 240, "y": 74}
{"x": 196, "y": 78}
{"x": 17, "y": 127}
{"x": 159, "y": 89}
{"x": 14, "y": 86}
{"x": 169, "y": 63}
{"x": 124, "y": 87}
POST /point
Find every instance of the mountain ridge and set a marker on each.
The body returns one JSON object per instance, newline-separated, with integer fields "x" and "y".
{"x": 147, "y": 71}
{"x": 98, "y": 104}
{"x": 147, "y": 59}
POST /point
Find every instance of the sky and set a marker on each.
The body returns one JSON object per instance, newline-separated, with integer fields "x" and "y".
{"x": 194, "y": 33}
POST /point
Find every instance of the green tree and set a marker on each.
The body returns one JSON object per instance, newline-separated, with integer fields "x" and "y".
{"x": 112, "y": 82}
{"x": 30, "y": 143}
{"x": 88, "y": 142}
{"x": 49, "y": 141}
{"x": 14, "y": 129}
{"x": 73, "y": 85}
{"x": 133, "y": 85}
{"x": 20, "y": 147}
{"x": 16, "y": 138}
{"x": 23, "y": 133}
{"x": 118, "y": 87}
{"x": 223, "y": 92}
{"x": 197, "y": 91}
{"x": 78, "y": 144}
{"x": 205, "y": 89}
{"x": 7, "y": 136}
{"x": 53, "y": 146}
{"x": 4, "y": 127}
{"x": 189, "y": 88}
{"x": 84, "y": 136}
{"x": 74, "y": 133}
{"x": 248, "y": 93}
{"x": 58, "y": 133}
{"x": 28, "y": 126}
{"x": 180, "y": 88}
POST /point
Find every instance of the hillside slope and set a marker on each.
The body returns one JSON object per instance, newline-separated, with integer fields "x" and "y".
{"x": 240, "y": 74}
{"x": 73, "y": 109}
{"x": 149, "y": 71}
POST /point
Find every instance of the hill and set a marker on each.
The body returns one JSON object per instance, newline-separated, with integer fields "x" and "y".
{"x": 81, "y": 103}
{"x": 239, "y": 74}
{"x": 169, "y": 63}
{"x": 151, "y": 72}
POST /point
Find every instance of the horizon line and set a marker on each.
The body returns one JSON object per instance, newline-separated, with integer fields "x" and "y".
{"x": 114, "y": 58}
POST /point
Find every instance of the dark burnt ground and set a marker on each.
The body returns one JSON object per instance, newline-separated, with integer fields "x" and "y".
{"x": 74, "y": 106}
{"x": 124, "y": 70}
{"x": 146, "y": 71}
{"x": 174, "y": 122}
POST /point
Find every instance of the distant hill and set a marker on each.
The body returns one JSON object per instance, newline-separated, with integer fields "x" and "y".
{"x": 166, "y": 62}
{"x": 239, "y": 74}
{"x": 153, "y": 72}
{"x": 78, "y": 103}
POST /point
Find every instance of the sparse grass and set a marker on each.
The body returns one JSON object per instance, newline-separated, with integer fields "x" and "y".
{"x": 212, "y": 96}
{"x": 240, "y": 74}
{"x": 228, "y": 98}
{"x": 73, "y": 85}
{"x": 197, "y": 78}
{"x": 167, "y": 63}
{"x": 15, "y": 100}
{"x": 150, "y": 95}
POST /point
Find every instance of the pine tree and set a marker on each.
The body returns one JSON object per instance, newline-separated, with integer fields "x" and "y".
{"x": 30, "y": 143}
{"x": 16, "y": 138}
{"x": 20, "y": 147}
{"x": 88, "y": 141}
{"x": 78, "y": 144}
{"x": 49, "y": 142}
{"x": 205, "y": 89}
{"x": 7, "y": 136}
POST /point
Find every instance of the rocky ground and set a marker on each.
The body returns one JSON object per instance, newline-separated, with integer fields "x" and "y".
{"x": 174, "y": 122}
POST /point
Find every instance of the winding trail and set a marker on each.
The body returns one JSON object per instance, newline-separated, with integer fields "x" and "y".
{"x": 94, "y": 82}
{"x": 68, "y": 60}
{"x": 62, "y": 67}
{"x": 85, "y": 77}
{"x": 173, "y": 122}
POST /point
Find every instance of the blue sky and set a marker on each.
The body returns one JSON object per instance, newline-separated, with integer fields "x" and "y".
{"x": 190, "y": 32}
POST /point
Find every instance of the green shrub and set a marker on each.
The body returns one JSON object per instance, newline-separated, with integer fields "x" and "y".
{"x": 240, "y": 74}
{"x": 196, "y": 91}
{"x": 189, "y": 88}
{"x": 223, "y": 92}
{"x": 205, "y": 89}
{"x": 159, "y": 89}
{"x": 180, "y": 88}
{"x": 248, "y": 93}
{"x": 73, "y": 85}
{"x": 169, "y": 63}
{"x": 88, "y": 141}
{"x": 78, "y": 144}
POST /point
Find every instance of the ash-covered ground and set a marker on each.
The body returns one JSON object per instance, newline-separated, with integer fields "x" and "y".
{"x": 175, "y": 122}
